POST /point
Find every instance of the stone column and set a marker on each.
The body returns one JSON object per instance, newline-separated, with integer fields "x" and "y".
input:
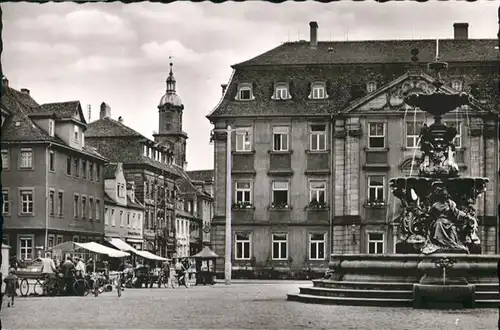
{"x": 339, "y": 136}
{"x": 353, "y": 168}
{"x": 476, "y": 156}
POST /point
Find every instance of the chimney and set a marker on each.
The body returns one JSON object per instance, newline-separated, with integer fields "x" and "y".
{"x": 461, "y": 31}
{"x": 314, "y": 34}
{"x": 224, "y": 86}
{"x": 25, "y": 91}
{"x": 5, "y": 82}
{"x": 105, "y": 111}
{"x": 120, "y": 120}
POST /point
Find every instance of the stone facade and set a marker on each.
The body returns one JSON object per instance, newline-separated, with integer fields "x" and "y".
{"x": 52, "y": 182}
{"x": 370, "y": 138}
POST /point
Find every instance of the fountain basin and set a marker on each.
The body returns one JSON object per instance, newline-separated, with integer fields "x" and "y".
{"x": 406, "y": 280}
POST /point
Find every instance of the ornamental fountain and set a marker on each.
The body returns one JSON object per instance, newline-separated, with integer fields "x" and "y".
{"x": 439, "y": 261}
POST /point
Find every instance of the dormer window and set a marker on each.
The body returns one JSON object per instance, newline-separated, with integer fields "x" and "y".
{"x": 281, "y": 92}
{"x": 318, "y": 91}
{"x": 245, "y": 92}
{"x": 51, "y": 127}
{"x": 457, "y": 85}
{"x": 77, "y": 131}
{"x": 371, "y": 86}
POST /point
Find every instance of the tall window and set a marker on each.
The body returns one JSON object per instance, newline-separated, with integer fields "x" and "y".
{"x": 76, "y": 132}
{"x": 84, "y": 169}
{"x": 84, "y": 207}
{"x": 97, "y": 172}
{"x": 145, "y": 150}
{"x": 139, "y": 222}
{"x": 5, "y": 159}
{"x": 457, "y": 141}
{"x": 128, "y": 219}
{"x": 26, "y": 158}
{"x": 242, "y": 246}
{"x": 91, "y": 171}
{"x": 280, "y": 246}
{"x": 146, "y": 190}
{"x": 91, "y": 208}
{"x": 26, "y": 201}
{"x": 52, "y": 161}
{"x": 51, "y": 127}
{"x": 97, "y": 210}
{"x": 243, "y": 192}
{"x": 317, "y": 246}
{"x": 26, "y": 247}
{"x": 243, "y": 140}
{"x": 50, "y": 241}
{"x": 317, "y": 192}
{"x": 376, "y": 135}
{"x": 318, "y": 137}
{"x": 59, "y": 239}
{"x": 371, "y": 86}
{"x": 76, "y": 206}
{"x": 52, "y": 207}
{"x": 121, "y": 218}
{"x": 6, "y": 201}
{"x": 280, "y": 194}
{"x": 106, "y": 216}
{"x": 318, "y": 91}
{"x": 281, "y": 91}
{"x": 60, "y": 201}
{"x": 113, "y": 220}
{"x": 375, "y": 243}
{"x": 376, "y": 184}
{"x": 68, "y": 166}
{"x": 280, "y": 138}
{"x": 412, "y": 133}
{"x": 77, "y": 167}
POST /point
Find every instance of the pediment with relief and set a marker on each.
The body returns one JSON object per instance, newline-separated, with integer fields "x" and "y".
{"x": 391, "y": 96}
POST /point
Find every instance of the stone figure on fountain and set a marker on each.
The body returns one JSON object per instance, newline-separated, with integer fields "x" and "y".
{"x": 438, "y": 149}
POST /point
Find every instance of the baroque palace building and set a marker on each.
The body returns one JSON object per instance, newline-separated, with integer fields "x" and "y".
{"x": 322, "y": 127}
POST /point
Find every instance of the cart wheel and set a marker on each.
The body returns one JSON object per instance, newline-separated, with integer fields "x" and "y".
{"x": 79, "y": 287}
{"x": 38, "y": 289}
{"x": 24, "y": 287}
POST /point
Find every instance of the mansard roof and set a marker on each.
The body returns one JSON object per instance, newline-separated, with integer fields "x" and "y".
{"x": 375, "y": 51}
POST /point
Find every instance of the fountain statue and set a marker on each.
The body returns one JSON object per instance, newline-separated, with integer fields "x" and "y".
{"x": 437, "y": 214}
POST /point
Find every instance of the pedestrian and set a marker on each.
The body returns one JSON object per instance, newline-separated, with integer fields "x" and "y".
{"x": 80, "y": 267}
{"x": 68, "y": 268}
{"x": 11, "y": 285}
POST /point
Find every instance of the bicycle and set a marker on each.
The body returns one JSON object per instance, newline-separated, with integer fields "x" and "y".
{"x": 24, "y": 287}
{"x": 176, "y": 281}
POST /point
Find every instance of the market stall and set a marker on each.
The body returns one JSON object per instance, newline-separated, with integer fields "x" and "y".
{"x": 205, "y": 266}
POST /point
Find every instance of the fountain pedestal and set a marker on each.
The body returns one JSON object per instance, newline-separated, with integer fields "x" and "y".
{"x": 429, "y": 295}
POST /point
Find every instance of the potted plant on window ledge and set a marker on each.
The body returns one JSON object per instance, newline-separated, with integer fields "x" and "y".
{"x": 376, "y": 203}
{"x": 315, "y": 205}
{"x": 242, "y": 205}
{"x": 280, "y": 206}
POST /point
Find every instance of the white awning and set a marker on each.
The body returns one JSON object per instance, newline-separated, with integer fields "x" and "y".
{"x": 98, "y": 248}
{"x": 121, "y": 245}
{"x": 134, "y": 240}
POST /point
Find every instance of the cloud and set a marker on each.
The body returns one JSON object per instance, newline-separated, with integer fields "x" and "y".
{"x": 103, "y": 63}
{"x": 36, "y": 48}
{"x": 80, "y": 24}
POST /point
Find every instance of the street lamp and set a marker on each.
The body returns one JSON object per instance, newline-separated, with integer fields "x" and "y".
{"x": 228, "y": 265}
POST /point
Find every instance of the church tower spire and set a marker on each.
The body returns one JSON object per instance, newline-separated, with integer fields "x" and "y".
{"x": 170, "y": 110}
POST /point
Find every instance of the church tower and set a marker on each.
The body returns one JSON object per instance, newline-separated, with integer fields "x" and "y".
{"x": 170, "y": 132}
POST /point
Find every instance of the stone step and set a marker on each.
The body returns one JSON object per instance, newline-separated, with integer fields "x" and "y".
{"x": 350, "y": 301}
{"x": 487, "y": 303}
{"x": 487, "y": 295}
{"x": 363, "y": 285}
{"x": 357, "y": 293}
{"x": 486, "y": 287}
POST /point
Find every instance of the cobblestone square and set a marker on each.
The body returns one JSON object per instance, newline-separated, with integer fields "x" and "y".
{"x": 239, "y": 306}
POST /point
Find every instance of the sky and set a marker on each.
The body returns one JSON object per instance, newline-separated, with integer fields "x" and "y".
{"x": 119, "y": 53}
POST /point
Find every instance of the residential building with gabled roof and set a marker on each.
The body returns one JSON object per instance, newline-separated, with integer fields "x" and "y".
{"x": 52, "y": 182}
{"x": 322, "y": 127}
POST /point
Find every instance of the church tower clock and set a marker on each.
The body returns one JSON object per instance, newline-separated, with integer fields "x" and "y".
{"x": 170, "y": 132}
